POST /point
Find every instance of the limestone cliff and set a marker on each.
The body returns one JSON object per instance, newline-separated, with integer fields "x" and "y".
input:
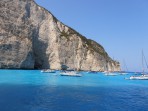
{"x": 31, "y": 37}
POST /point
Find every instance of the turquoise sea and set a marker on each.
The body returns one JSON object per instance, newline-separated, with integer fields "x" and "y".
{"x": 31, "y": 90}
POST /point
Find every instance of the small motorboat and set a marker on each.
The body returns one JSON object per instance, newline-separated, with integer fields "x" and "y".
{"x": 48, "y": 71}
{"x": 72, "y": 74}
{"x": 110, "y": 74}
{"x": 123, "y": 73}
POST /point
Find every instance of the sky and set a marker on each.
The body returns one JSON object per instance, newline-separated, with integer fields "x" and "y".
{"x": 120, "y": 26}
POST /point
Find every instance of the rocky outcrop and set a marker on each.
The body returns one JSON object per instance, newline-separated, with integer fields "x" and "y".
{"x": 31, "y": 37}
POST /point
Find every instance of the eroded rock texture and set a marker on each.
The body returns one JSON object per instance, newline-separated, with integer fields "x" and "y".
{"x": 31, "y": 37}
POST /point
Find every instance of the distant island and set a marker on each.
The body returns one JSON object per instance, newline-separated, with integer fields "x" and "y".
{"x": 32, "y": 38}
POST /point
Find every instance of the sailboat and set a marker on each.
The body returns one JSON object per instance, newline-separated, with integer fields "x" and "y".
{"x": 144, "y": 76}
{"x": 125, "y": 67}
{"x": 110, "y": 73}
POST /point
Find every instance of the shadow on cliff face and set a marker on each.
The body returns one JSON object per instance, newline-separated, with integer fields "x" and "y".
{"x": 64, "y": 67}
{"x": 39, "y": 50}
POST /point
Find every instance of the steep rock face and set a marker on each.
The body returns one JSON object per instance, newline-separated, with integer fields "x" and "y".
{"x": 31, "y": 37}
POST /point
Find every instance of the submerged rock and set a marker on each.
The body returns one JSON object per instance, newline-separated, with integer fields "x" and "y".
{"x": 31, "y": 37}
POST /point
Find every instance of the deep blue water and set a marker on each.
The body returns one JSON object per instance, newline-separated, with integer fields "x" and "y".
{"x": 22, "y": 90}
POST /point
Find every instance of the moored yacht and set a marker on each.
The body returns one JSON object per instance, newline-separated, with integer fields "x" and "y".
{"x": 70, "y": 73}
{"x": 48, "y": 71}
{"x": 144, "y": 76}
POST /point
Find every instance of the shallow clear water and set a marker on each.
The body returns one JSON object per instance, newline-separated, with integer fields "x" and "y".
{"x": 22, "y": 90}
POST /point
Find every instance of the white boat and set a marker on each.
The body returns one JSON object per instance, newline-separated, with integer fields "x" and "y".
{"x": 71, "y": 73}
{"x": 48, "y": 71}
{"x": 123, "y": 73}
{"x": 144, "y": 76}
{"x": 124, "y": 70}
{"x": 110, "y": 74}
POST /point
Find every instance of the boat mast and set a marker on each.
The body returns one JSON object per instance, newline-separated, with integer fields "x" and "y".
{"x": 74, "y": 47}
{"x": 125, "y": 65}
{"x": 142, "y": 62}
{"x": 145, "y": 61}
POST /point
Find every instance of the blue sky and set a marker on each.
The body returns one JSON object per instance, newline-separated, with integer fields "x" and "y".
{"x": 120, "y": 26}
